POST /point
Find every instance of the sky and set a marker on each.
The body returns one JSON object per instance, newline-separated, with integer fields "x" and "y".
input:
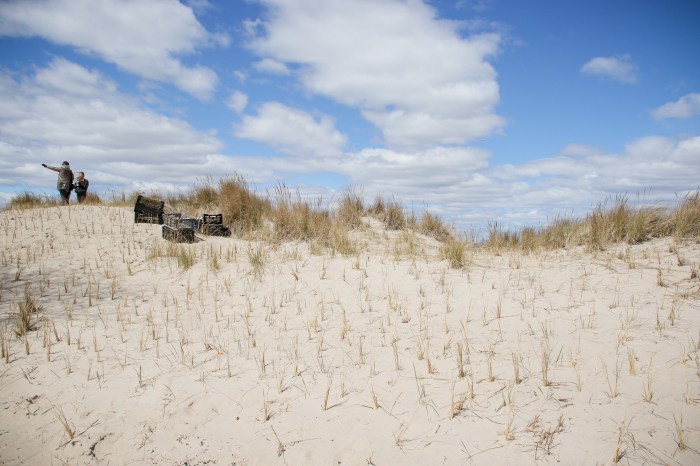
{"x": 479, "y": 111}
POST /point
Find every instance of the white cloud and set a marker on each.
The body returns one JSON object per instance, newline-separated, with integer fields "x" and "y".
{"x": 237, "y": 101}
{"x": 655, "y": 162}
{"x": 412, "y": 173}
{"x": 409, "y": 73}
{"x": 70, "y": 78}
{"x": 67, "y": 112}
{"x": 131, "y": 35}
{"x": 618, "y": 68}
{"x": 293, "y": 131}
{"x": 268, "y": 65}
{"x": 686, "y": 107}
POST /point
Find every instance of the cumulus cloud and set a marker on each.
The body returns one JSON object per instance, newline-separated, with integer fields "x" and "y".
{"x": 410, "y": 73}
{"x": 618, "y": 68}
{"x": 67, "y": 112}
{"x": 237, "y": 101}
{"x": 406, "y": 173}
{"x": 655, "y": 162}
{"x": 131, "y": 35}
{"x": 292, "y": 131}
{"x": 686, "y": 107}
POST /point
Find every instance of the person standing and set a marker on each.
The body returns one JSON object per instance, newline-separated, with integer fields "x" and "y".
{"x": 81, "y": 187}
{"x": 65, "y": 180}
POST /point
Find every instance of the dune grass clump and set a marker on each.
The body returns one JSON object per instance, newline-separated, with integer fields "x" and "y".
{"x": 92, "y": 198}
{"x": 500, "y": 238}
{"x": 242, "y": 208}
{"x": 339, "y": 240}
{"x": 561, "y": 233}
{"x": 29, "y": 200}
{"x": 296, "y": 219}
{"x": 27, "y": 308}
{"x": 351, "y": 208}
{"x": 684, "y": 221}
{"x": 454, "y": 252}
{"x": 204, "y": 194}
{"x": 621, "y": 223}
{"x": 184, "y": 254}
{"x": 257, "y": 258}
{"x": 432, "y": 225}
{"x": 390, "y": 212}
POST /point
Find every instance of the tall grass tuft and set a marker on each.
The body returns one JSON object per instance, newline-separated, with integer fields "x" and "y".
{"x": 351, "y": 208}
{"x": 500, "y": 238}
{"x": 204, "y": 194}
{"x": 27, "y": 307}
{"x": 185, "y": 255}
{"x": 562, "y": 233}
{"x": 684, "y": 221}
{"x": 432, "y": 225}
{"x": 92, "y": 198}
{"x": 390, "y": 212}
{"x": 621, "y": 223}
{"x": 29, "y": 200}
{"x": 454, "y": 252}
{"x": 297, "y": 219}
{"x": 242, "y": 208}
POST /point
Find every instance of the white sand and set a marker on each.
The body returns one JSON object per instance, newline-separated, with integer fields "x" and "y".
{"x": 218, "y": 365}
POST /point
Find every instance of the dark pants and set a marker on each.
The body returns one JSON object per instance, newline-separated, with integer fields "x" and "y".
{"x": 81, "y": 197}
{"x": 65, "y": 196}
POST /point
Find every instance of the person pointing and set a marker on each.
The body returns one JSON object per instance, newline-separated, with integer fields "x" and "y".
{"x": 65, "y": 180}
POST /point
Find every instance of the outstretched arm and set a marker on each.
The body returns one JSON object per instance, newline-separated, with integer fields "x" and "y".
{"x": 56, "y": 169}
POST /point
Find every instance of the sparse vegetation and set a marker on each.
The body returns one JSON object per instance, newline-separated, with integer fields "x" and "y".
{"x": 453, "y": 251}
{"x": 414, "y": 326}
{"x": 612, "y": 221}
{"x": 292, "y": 217}
{"x": 27, "y": 308}
{"x": 29, "y": 200}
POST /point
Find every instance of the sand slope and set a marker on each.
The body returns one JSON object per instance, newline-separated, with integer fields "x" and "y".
{"x": 384, "y": 357}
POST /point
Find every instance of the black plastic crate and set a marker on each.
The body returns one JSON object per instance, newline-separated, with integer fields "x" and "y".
{"x": 178, "y": 235}
{"x": 141, "y": 217}
{"x": 212, "y": 219}
{"x": 177, "y": 220}
{"x": 189, "y": 222}
{"x": 213, "y": 225}
{"x": 148, "y": 210}
{"x": 172, "y": 219}
{"x": 215, "y": 230}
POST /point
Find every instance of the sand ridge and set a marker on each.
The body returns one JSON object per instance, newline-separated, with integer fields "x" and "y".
{"x": 236, "y": 352}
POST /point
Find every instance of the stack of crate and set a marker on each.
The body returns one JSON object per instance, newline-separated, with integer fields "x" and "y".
{"x": 176, "y": 226}
{"x": 179, "y": 228}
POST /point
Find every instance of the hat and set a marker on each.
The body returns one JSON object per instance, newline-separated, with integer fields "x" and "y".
{"x": 65, "y": 164}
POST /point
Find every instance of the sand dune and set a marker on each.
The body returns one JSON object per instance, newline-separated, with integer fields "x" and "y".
{"x": 235, "y": 352}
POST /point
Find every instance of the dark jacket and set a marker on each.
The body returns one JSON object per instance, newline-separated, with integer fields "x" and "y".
{"x": 81, "y": 187}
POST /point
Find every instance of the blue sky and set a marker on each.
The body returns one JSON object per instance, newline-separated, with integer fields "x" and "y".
{"x": 481, "y": 111}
